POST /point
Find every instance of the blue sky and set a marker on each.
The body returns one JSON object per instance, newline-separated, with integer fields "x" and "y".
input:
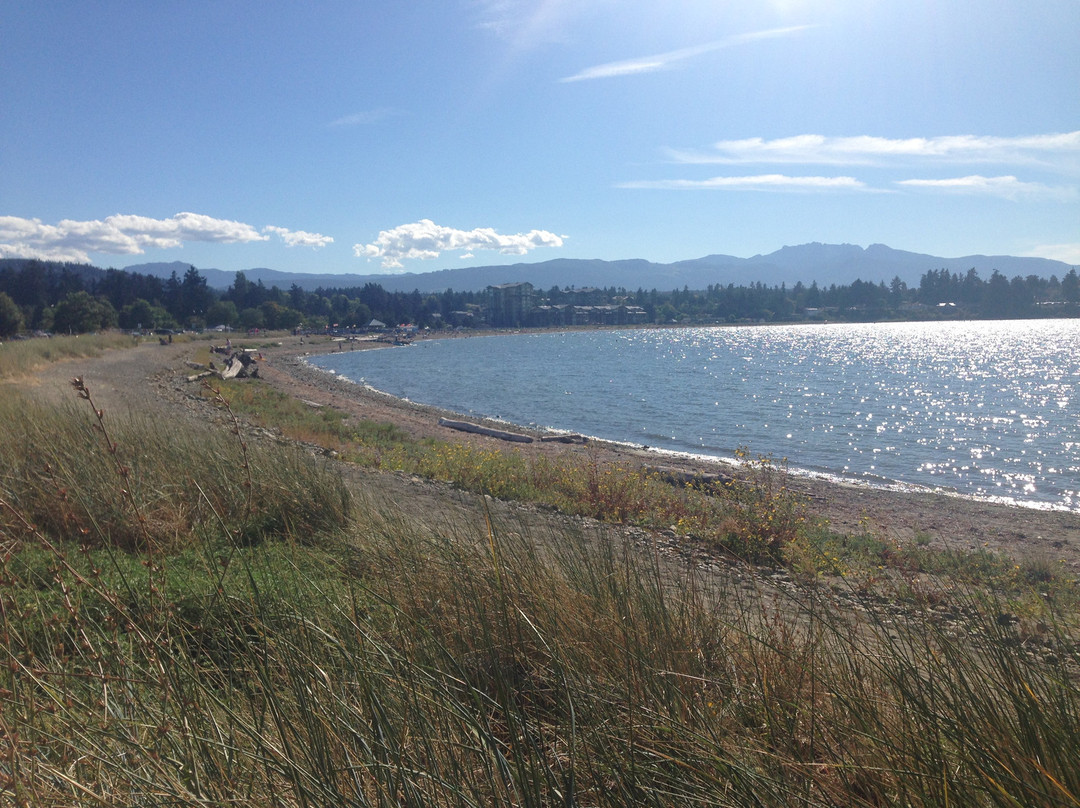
{"x": 386, "y": 136}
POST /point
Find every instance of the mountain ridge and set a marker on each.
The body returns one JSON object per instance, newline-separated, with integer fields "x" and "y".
{"x": 824, "y": 264}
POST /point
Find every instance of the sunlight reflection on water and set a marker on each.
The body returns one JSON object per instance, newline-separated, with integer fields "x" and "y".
{"x": 989, "y": 409}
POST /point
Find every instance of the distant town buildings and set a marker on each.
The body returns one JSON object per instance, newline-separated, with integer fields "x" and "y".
{"x": 516, "y": 305}
{"x": 510, "y": 304}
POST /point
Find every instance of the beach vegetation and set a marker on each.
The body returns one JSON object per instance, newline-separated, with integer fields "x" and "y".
{"x": 191, "y": 617}
{"x": 754, "y": 517}
{"x": 19, "y": 358}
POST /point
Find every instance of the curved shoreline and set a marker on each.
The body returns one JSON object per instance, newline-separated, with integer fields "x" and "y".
{"x": 676, "y": 456}
{"x": 945, "y": 519}
{"x": 930, "y": 436}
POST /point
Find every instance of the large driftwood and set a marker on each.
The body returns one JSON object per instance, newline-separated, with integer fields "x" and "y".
{"x": 692, "y": 479}
{"x": 238, "y": 365}
{"x": 476, "y": 429}
{"x": 563, "y": 439}
{"x": 233, "y": 366}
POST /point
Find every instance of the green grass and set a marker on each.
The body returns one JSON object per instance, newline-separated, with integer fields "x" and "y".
{"x": 361, "y": 440}
{"x": 61, "y": 475}
{"x": 754, "y": 519}
{"x": 21, "y": 357}
{"x": 347, "y": 651}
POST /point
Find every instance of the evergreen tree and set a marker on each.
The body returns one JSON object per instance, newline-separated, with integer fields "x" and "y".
{"x": 1070, "y": 287}
{"x": 195, "y": 296}
{"x": 11, "y": 318}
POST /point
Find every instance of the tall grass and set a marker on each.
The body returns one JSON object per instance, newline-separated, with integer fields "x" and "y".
{"x": 161, "y": 484}
{"x": 754, "y": 519}
{"x": 21, "y": 357}
{"x": 361, "y": 653}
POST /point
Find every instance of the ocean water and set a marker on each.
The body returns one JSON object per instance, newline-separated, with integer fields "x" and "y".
{"x": 983, "y": 409}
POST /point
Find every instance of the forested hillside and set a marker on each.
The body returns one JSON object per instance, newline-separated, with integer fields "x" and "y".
{"x": 69, "y": 298}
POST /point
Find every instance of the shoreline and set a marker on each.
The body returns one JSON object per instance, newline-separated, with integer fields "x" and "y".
{"x": 908, "y": 515}
{"x": 682, "y": 457}
{"x": 671, "y": 456}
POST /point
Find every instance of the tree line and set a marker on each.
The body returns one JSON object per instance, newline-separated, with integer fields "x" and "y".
{"x": 77, "y": 298}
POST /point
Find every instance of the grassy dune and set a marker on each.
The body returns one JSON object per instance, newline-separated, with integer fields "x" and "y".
{"x": 188, "y": 620}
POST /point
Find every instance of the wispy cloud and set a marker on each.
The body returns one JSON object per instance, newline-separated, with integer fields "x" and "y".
{"x": 125, "y": 234}
{"x": 1054, "y": 153}
{"x": 760, "y": 182}
{"x": 1054, "y": 149}
{"x": 1069, "y": 253}
{"x": 365, "y": 117}
{"x": 299, "y": 238}
{"x": 1008, "y": 187}
{"x": 664, "y": 61}
{"x": 528, "y": 23}
{"x": 426, "y": 240}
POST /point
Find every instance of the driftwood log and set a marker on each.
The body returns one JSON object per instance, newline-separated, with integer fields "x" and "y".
{"x": 692, "y": 479}
{"x": 233, "y": 366}
{"x": 563, "y": 439}
{"x": 476, "y": 429}
{"x": 238, "y": 365}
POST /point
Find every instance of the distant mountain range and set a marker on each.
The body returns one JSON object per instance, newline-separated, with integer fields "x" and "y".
{"x": 824, "y": 263}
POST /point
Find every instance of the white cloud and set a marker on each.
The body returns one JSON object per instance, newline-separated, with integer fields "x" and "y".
{"x": 1069, "y": 253}
{"x": 662, "y": 61}
{"x": 1056, "y": 150}
{"x": 426, "y": 240}
{"x": 761, "y": 182}
{"x": 299, "y": 238}
{"x": 19, "y": 250}
{"x": 527, "y": 24}
{"x": 121, "y": 234}
{"x": 365, "y": 117}
{"x": 1008, "y": 187}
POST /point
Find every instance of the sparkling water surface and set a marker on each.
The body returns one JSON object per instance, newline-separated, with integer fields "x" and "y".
{"x": 985, "y": 409}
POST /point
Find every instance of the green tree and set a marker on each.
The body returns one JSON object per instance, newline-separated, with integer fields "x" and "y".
{"x": 897, "y": 290}
{"x": 666, "y": 313}
{"x": 339, "y": 308}
{"x": 997, "y": 301}
{"x": 138, "y": 314}
{"x": 80, "y": 313}
{"x": 251, "y": 318}
{"x": 195, "y": 296}
{"x": 223, "y": 312}
{"x": 359, "y": 315}
{"x": 271, "y": 313}
{"x": 11, "y": 318}
{"x": 1070, "y": 287}
{"x": 238, "y": 293}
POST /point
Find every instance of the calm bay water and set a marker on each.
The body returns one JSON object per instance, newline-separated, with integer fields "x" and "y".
{"x": 987, "y": 409}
